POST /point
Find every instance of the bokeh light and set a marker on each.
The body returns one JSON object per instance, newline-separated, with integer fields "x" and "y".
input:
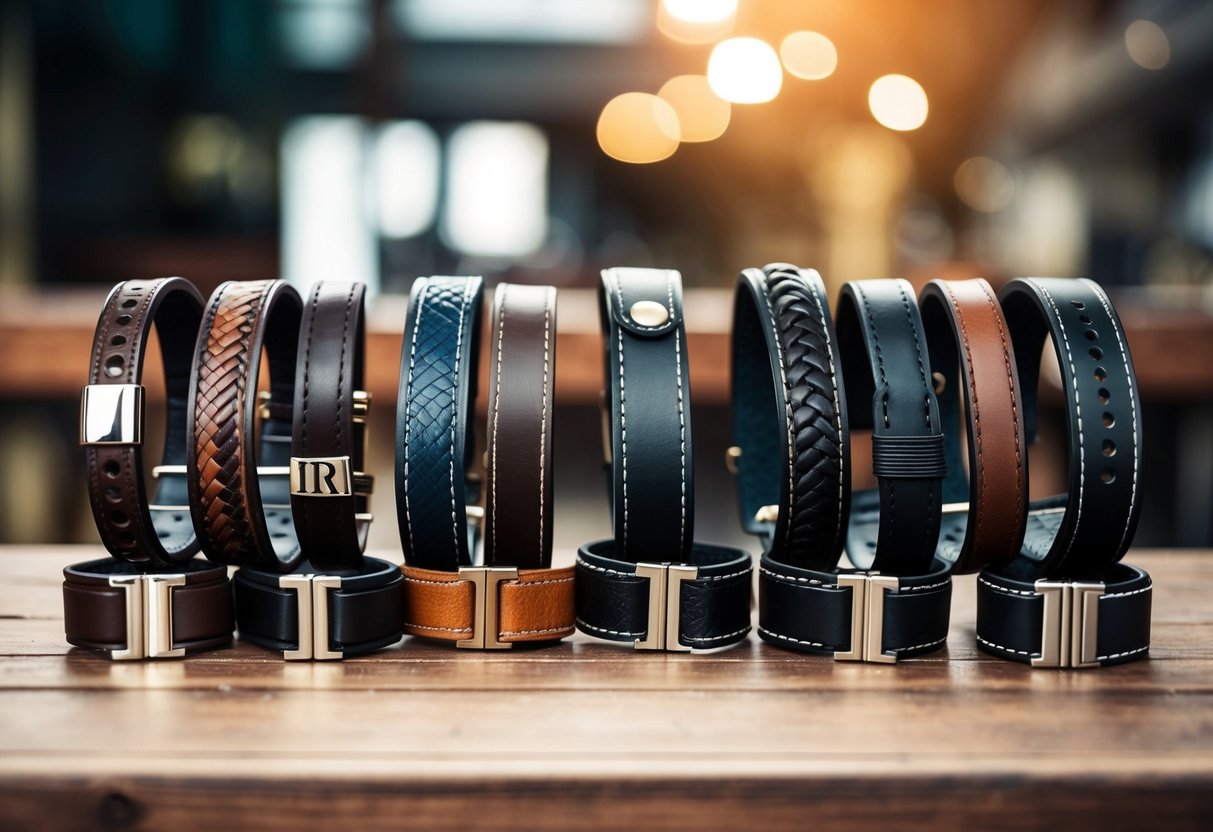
{"x": 1147, "y": 44}
{"x": 898, "y": 102}
{"x": 639, "y": 128}
{"x": 745, "y": 71}
{"x": 809, "y": 55}
{"x": 984, "y": 184}
{"x": 700, "y": 11}
{"x": 702, "y": 115}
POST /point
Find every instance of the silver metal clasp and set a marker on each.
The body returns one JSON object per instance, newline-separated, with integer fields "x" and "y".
{"x": 321, "y": 476}
{"x": 111, "y": 414}
{"x": 149, "y": 616}
{"x": 1069, "y": 623}
{"x": 867, "y": 617}
{"x": 312, "y": 594}
{"x": 664, "y": 627}
{"x": 486, "y": 606}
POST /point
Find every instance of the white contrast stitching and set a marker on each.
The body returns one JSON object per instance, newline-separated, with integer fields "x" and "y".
{"x": 1122, "y": 653}
{"x": 496, "y": 414}
{"x": 725, "y": 577}
{"x": 408, "y": 422}
{"x": 924, "y": 587}
{"x": 1004, "y": 649}
{"x": 1005, "y": 589}
{"x": 536, "y": 632}
{"x": 411, "y": 579}
{"x": 604, "y": 570}
{"x": 1127, "y": 594}
{"x": 787, "y": 414}
{"x": 733, "y": 634}
{"x": 541, "y": 583}
{"x": 463, "y": 301}
{"x": 623, "y": 414}
{"x": 825, "y": 328}
{"x": 587, "y": 626}
{"x": 437, "y": 629}
{"x": 549, "y": 300}
{"x": 781, "y": 636}
{"x": 788, "y": 579}
{"x": 918, "y": 646}
{"x": 682, "y": 422}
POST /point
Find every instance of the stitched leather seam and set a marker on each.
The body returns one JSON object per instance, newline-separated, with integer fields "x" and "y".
{"x": 606, "y": 571}
{"x": 542, "y": 582}
{"x": 587, "y": 626}
{"x": 307, "y": 362}
{"x": 825, "y": 329}
{"x": 787, "y": 413}
{"x": 924, "y": 587}
{"x": 725, "y": 577}
{"x": 497, "y": 413}
{"x": 549, "y": 298}
{"x": 682, "y": 422}
{"x": 880, "y": 381}
{"x": 1006, "y": 360}
{"x": 973, "y": 531}
{"x": 1006, "y": 590}
{"x": 408, "y": 517}
{"x": 1122, "y": 653}
{"x": 781, "y": 636}
{"x": 453, "y": 583}
{"x": 918, "y": 646}
{"x": 567, "y": 629}
{"x": 345, "y": 342}
{"x": 1126, "y": 594}
{"x": 1004, "y": 649}
{"x": 724, "y": 637}
{"x": 926, "y": 405}
{"x": 623, "y": 413}
{"x": 437, "y": 629}
{"x": 463, "y": 301}
{"x": 787, "y": 579}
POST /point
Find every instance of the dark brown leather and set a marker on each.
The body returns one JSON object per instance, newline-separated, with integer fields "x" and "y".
{"x": 330, "y": 368}
{"x": 226, "y": 491}
{"x": 966, "y": 333}
{"x": 94, "y": 613}
{"x": 118, "y": 493}
{"x": 518, "y": 511}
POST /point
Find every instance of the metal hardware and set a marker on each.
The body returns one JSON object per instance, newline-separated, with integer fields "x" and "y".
{"x": 312, "y": 594}
{"x": 1069, "y": 623}
{"x": 149, "y": 616}
{"x": 486, "y": 606}
{"x": 954, "y": 508}
{"x": 263, "y": 404}
{"x": 111, "y": 414}
{"x": 939, "y": 383}
{"x": 321, "y": 476}
{"x": 649, "y": 313}
{"x": 162, "y": 470}
{"x": 475, "y": 515}
{"x": 767, "y": 514}
{"x": 664, "y": 627}
{"x": 867, "y": 617}
{"x": 361, "y": 406}
{"x": 732, "y": 455}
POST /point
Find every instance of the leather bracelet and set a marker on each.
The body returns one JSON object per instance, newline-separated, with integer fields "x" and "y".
{"x": 307, "y": 615}
{"x": 1078, "y": 534}
{"x": 791, "y": 451}
{"x": 155, "y": 533}
{"x": 330, "y": 491}
{"x": 239, "y": 497}
{"x": 854, "y": 615}
{"x": 434, "y": 491}
{"x": 886, "y": 372}
{"x": 985, "y": 512}
{"x": 1049, "y": 623}
{"x": 699, "y": 603}
{"x": 110, "y": 605}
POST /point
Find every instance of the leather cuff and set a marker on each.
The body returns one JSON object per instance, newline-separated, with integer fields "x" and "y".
{"x": 239, "y": 496}
{"x": 330, "y": 491}
{"x": 1046, "y": 623}
{"x": 791, "y": 447}
{"x": 886, "y": 371}
{"x": 1079, "y": 533}
{"x": 155, "y": 533}
{"x": 985, "y": 511}
{"x": 853, "y": 615}
{"x": 701, "y": 603}
{"x": 308, "y": 615}
{"x": 434, "y": 410}
{"x": 113, "y": 606}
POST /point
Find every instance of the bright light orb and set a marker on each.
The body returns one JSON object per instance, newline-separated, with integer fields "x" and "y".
{"x": 745, "y": 71}
{"x": 700, "y": 11}
{"x": 638, "y": 128}
{"x": 1147, "y": 44}
{"x": 809, "y": 55}
{"x": 898, "y": 102}
{"x": 702, "y": 114}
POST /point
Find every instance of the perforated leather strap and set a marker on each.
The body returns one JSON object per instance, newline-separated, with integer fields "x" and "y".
{"x": 790, "y": 431}
{"x": 893, "y": 529}
{"x": 1101, "y": 621}
{"x": 971, "y": 356}
{"x": 346, "y": 615}
{"x": 155, "y": 533}
{"x": 1081, "y": 532}
{"x": 433, "y": 422}
{"x": 241, "y": 511}
{"x": 647, "y": 405}
{"x": 330, "y": 490}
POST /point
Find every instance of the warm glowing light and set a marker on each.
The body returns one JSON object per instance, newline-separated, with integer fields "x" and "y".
{"x": 1147, "y": 44}
{"x": 898, "y": 102}
{"x": 745, "y": 71}
{"x": 639, "y": 128}
{"x": 809, "y": 55}
{"x": 702, "y": 115}
{"x": 984, "y": 184}
{"x": 700, "y": 11}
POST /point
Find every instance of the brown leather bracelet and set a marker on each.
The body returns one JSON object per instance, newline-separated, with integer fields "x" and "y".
{"x": 110, "y": 605}
{"x": 154, "y": 533}
{"x": 239, "y": 494}
{"x": 984, "y": 514}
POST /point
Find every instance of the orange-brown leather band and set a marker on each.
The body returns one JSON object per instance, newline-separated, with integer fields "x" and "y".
{"x": 537, "y": 606}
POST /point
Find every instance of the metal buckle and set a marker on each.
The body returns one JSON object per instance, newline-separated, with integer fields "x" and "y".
{"x": 1069, "y": 623}
{"x": 867, "y": 617}
{"x": 665, "y": 605}
{"x": 111, "y": 414}
{"x": 321, "y": 476}
{"x": 486, "y": 606}
{"x": 312, "y": 594}
{"x": 149, "y": 616}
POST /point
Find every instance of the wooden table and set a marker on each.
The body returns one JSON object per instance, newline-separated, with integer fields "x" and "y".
{"x": 590, "y": 734}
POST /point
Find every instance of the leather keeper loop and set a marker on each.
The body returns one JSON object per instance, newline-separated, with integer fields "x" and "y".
{"x": 909, "y": 457}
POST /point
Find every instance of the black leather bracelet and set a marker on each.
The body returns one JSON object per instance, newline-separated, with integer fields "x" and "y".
{"x": 1047, "y": 623}
{"x": 1078, "y": 534}
{"x": 434, "y": 411}
{"x": 894, "y": 529}
{"x": 791, "y": 451}
{"x": 330, "y": 491}
{"x": 307, "y": 615}
{"x": 700, "y": 603}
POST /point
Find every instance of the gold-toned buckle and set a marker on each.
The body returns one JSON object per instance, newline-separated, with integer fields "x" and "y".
{"x": 312, "y": 596}
{"x": 867, "y": 617}
{"x": 361, "y": 406}
{"x": 111, "y": 414}
{"x": 149, "y": 616}
{"x": 486, "y": 605}
{"x": 664, "y": 627}
{"x": 1070, "y": 623}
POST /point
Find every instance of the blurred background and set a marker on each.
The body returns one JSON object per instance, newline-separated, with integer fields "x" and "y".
{"x": 540, "y": 140}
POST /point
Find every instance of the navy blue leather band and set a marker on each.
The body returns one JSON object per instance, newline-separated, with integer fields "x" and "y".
{"x": 434, "y": 410}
